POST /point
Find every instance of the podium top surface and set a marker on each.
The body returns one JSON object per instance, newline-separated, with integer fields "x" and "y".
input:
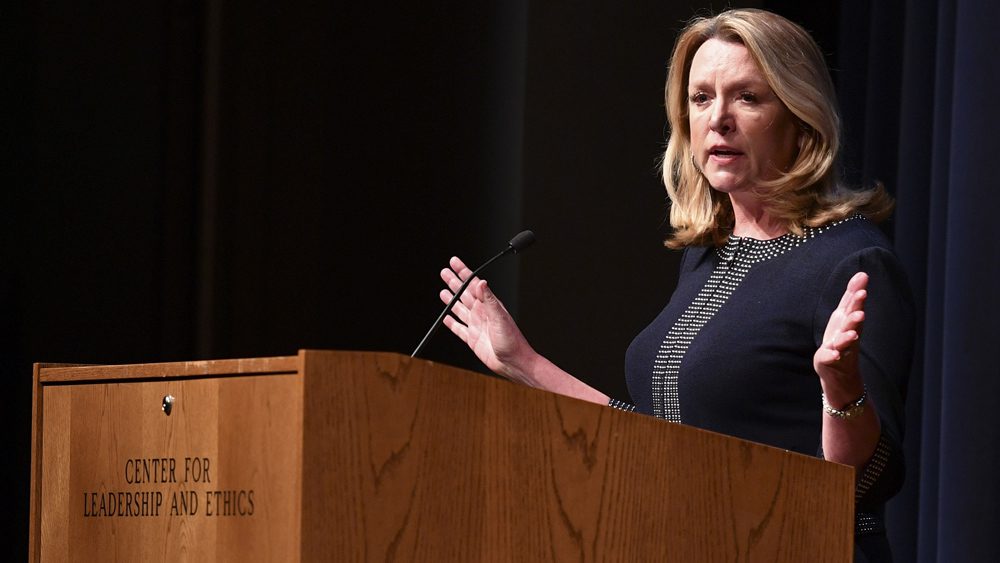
{"x": 63, "y": 373}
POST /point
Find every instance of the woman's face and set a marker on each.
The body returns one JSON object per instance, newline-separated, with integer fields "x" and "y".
{"x": 740, "y": 130}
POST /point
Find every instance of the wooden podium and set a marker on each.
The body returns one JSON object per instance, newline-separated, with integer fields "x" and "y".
{"x": 337, "y": 456}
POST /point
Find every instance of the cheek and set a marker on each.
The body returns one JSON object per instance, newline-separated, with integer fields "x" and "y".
{"x": 769, "y": 141}
{"x": 787, "y": 146}
{"x": 783, "y": 140}
{"x": 697, "y": 129}
{"x": 699, "y": 122}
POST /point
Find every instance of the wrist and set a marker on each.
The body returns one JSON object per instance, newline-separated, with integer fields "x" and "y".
{"x": 840, "y": 390}
{"x": 846, "y": 411}
{"x": 522, "y": 366}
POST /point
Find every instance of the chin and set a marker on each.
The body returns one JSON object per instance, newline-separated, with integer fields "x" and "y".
{"x": 725, "y": 183}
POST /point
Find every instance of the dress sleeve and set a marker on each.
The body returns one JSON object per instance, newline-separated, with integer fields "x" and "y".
{"x": 621, "y": 405}
{"x": 886, "y": 351}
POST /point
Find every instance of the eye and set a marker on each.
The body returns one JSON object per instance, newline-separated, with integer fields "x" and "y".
{"x": 748, "y": 97}
{"x": 699, "y": 98}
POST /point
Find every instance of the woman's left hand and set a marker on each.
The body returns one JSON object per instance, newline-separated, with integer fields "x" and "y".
{"x": 852, "y": 441}
{"x": 837, "y": 357}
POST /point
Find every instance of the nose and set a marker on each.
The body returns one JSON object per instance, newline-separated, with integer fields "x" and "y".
{"x": 720, "y": 120}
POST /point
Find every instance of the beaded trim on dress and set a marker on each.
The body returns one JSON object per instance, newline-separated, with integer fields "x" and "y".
{"x": 737, "y": 257}
{"x": 759, "y": 250}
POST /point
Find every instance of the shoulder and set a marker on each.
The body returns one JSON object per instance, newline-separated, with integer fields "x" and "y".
{"x": 857, "y": 245}
{"x": 835, "y": 252}
{"x": 846, "y": 245}
{"x": 693, "y": 256}
{"x": 850, "y": 235}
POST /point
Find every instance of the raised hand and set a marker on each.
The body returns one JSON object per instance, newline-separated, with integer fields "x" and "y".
{"x": 837, "y": 356}
{"x": 484, "y": 324}
{"x": 850, "y": 442}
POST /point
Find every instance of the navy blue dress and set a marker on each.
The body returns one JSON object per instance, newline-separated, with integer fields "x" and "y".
{"x": 732, "y": 350}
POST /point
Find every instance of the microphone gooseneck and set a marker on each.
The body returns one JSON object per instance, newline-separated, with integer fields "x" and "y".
{"x": 521, "y": 241}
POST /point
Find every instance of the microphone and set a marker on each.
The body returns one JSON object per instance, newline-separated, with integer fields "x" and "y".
{"x": 521, "y": 241}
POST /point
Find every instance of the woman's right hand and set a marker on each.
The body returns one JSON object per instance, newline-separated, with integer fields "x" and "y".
{"x": 484, "y": 324}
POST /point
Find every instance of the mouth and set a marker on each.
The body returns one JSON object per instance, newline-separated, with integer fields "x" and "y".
{"x": 724, "y": 152}
{"x": 723, "y": 155}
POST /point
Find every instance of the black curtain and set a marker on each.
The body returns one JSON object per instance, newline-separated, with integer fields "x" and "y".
{"x": 926, "y": 82}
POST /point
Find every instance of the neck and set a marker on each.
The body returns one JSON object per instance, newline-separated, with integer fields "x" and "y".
{"x": 753, "y": 220}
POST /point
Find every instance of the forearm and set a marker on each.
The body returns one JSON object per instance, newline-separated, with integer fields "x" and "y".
{"x": 537, "y": 371}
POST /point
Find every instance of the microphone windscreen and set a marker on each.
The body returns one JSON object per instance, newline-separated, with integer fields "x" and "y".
{"x": 522, "y": 240}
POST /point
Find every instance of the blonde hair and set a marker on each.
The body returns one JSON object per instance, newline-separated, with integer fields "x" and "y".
{"x": 809, "y": 193}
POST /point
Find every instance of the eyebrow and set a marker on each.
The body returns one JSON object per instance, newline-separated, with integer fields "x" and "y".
{"x": 740, "y": 85}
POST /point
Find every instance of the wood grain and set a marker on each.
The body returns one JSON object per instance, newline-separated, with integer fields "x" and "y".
{"x": 171, "y": 370}
{"x": 379, "y": 457}
{"x": 417, "y": 461}
{"x": 246, "y": 429}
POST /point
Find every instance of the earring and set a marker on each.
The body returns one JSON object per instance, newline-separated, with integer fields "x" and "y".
{"x": 695, "y": 163}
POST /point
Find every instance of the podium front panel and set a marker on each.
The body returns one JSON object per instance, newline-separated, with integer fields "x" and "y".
{"x": 216, "y": 479}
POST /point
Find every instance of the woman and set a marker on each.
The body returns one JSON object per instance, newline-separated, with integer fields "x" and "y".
{"x": 781, "y": 268}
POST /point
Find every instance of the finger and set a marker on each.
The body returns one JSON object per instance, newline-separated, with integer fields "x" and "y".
{"x": 460, "y": 268}
{"x": 462, "y": 309}
{"x": 459, "y": 329}
{"x": 487, "y": 296}
{"x": 857, "y": 282}
{"x": 483, "y": 292}
{"x": 853, "y": 321}
{"x": 476, "y": 290}
{"x": 844, "y": 340}
{"x": 827, "y": 356}
{"x": 446, "y": 296}
{"x": 463, "y": 273}
{"x": 462, "y": 312}
{"x": 452, "y": 281}
{"x": 456, "y": 263}
{"x": 857, "y": 302}
{"x": 845, "y": 322}
{"x": 451, "y": 277}
{"x": 459, "y": 310}
{"x": 455, "y": 284}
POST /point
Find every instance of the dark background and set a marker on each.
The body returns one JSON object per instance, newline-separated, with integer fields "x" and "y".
{"x": 192, "y": 180}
